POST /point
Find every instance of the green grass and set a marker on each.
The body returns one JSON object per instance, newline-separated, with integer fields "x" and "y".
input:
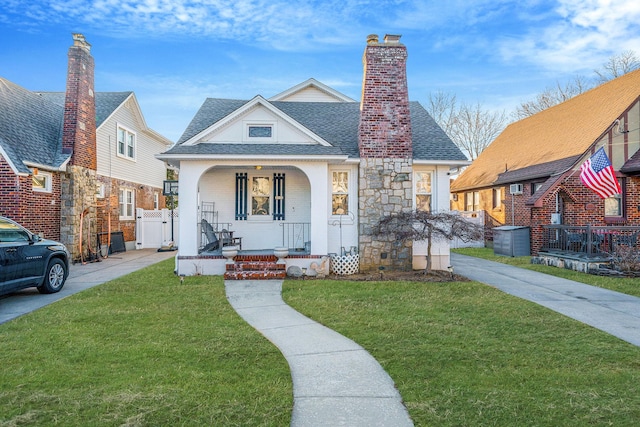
{"x": 146, "y": 351}
{"x": 142, "y": 351}
{"x": 630, "y": 286}
{"x": 466, "y": 354}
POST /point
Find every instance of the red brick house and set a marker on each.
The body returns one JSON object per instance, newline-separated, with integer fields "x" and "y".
{"x": 76, "y": 164}
{"x": 530, "y": 174}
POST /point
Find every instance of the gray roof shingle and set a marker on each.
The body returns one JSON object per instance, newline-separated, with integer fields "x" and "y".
{"x": 30, "y": 127}
{"x": 31, "y": 123}
{"x": 335, "y": 122}
{"x": 106, "y": 102}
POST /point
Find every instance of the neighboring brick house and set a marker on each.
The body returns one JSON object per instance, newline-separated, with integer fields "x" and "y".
{"x": 73, "y": 165}
{"x": 344, "y": 165}
{"x": 530, "y": 175}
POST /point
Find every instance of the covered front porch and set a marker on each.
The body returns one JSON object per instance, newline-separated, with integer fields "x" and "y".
{"x": 257, "y": 208}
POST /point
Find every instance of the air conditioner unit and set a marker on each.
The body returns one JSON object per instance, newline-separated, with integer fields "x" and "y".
{"x": 515, "y": 189}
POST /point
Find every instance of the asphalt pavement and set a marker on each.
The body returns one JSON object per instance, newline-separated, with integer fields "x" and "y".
{"x": 612, "y": 312}
{"x": 81, "y": 277}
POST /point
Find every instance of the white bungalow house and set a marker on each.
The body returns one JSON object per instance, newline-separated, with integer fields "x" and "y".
{"x": 312, "y": 170}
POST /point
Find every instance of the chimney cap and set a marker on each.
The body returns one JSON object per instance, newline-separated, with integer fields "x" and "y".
{"x": 372, "y": 38}
{"x": 79, "y": 40}
{"x": 392, "y": 38}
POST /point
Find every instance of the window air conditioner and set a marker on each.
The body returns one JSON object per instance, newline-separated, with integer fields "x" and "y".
{"x": 515, "y": 189}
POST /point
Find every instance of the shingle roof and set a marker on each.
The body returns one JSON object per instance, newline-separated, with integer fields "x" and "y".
{"x": 31, "y": 123}
{"x": 542, "y": 170}
{"x": 562, "y": 131}
{"x": 30, "y": 127}
{"x": 335, "y": 122}
{"x": 106, "y": 102}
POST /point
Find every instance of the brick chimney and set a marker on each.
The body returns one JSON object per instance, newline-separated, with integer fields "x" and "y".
{"x": 78, "y": 184}
{"x": 385, "y": 122}
{"x": 385, "y": 144}
{"x": 79, "y": 131}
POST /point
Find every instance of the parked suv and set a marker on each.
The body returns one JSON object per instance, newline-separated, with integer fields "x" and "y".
{"x": 27, "y": 260}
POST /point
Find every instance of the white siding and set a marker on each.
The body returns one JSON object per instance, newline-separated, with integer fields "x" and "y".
{"x": 145, "y": 169}
{"x": 283, "y": 132}
{"x": 218, "y": 186}
{"x": 343, "y": 230}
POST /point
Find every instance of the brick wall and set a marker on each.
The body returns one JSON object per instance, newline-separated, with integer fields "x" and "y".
{"x": 108, "y": 206}
{"x": 580, "y": 206}
{"x": 36, "y": 210}
{"x": 385, "y": 121}
{"x": 79, "y": 129}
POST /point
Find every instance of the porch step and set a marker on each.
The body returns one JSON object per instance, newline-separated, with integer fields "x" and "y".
{"x": 258, "y": 267}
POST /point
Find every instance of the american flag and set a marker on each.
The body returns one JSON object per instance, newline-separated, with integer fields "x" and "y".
{"x": 598, "y": 174}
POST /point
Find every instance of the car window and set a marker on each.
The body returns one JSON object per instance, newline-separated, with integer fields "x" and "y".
{"x": 13, "y": 236}
{"x": 10, "y": 232}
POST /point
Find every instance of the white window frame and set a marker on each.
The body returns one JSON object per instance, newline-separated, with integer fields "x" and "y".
{"x": 46, "y": 186}
{"x": 348, "y": 193}
{"x": 100, "y": 190}
{"x": 422, "y": 192}
{"x": 251, "y": 124}
{"x": 126, "y": 204}
{"x": 130, "y": 143}
{"x": 156, "y": 200}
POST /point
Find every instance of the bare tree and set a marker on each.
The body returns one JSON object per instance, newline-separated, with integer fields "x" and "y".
{"x": 422, "y": 225}
{"x": 442, "y": 107}
{"x": 618, "y": 65}
{"x": 471, "y": 127}
{"x": 474, "y": 128}
{"x": 553, "y": 95}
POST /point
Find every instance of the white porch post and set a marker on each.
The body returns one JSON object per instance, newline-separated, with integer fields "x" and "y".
{"x": 319, "y": 184}
{"x": 188, "y": 202}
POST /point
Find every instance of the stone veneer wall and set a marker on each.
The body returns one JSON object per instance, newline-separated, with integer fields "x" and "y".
{"x": 385, "y": 187}
{"x": 78, "y": 195}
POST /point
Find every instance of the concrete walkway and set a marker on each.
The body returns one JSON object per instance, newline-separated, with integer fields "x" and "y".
{"x": 335, "y": 381}
{"x": 612, "y": 312}
{"x": 81, "y": 277}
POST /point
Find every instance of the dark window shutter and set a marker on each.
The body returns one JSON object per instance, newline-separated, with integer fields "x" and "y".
{"x": 241, "y": 196}
{"x": 278, "y": 196}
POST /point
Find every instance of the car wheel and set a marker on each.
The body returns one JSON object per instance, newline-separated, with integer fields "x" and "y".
{"x": 54, "y": 278}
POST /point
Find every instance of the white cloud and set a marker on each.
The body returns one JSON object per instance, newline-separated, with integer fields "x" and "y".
{"x": 582, "y": 37}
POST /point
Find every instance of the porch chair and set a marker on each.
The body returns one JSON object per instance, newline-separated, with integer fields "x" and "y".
{"x": 629, "y": 240}
{"x": 212, "y": 240}
{"x": 575, "y": 241}
{"x": 227, "y": 239}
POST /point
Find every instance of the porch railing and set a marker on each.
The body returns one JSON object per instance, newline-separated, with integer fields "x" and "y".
{"x": 296, "y": 235}
{"x": 589, "y": 240}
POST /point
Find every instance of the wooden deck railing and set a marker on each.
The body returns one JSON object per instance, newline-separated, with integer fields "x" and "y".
{"x": 589, "y": 240}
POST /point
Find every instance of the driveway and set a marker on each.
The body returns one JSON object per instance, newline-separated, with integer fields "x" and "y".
{"x": 81, "y": 277}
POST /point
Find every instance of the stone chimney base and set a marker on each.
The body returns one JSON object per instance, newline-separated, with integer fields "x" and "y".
{"x": 385, "y": 187}
{"x": 78, "y": 202}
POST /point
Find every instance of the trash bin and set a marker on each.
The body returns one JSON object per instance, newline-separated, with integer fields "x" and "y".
{"x": 511, "y": 240}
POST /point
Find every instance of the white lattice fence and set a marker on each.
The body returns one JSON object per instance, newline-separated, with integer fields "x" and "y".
{"x": 153, "y": 228}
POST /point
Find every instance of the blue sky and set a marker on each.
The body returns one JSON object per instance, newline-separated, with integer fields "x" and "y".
{"x": 175, "y": 53}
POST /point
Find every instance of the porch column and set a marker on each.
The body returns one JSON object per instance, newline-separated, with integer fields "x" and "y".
{"x": 319, "y": 184}
{"x": 188, "y": 206}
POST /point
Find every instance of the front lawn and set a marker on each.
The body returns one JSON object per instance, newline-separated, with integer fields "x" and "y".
{"x": 142, "y": 350}
{"x": 466, "y": 354}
